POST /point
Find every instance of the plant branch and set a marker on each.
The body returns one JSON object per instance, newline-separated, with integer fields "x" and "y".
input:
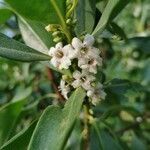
{"x": 134, "y": 124}
{"x": 52, "y": 79}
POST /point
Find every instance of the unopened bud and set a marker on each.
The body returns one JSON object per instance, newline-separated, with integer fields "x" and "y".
{"x": 48, "y": 28}
{"x": 56, "y": 33}
{"x": 57, "y": 39}
{"x": 69, "y": 6}
{"x": 68, "y": 2}
{"x": 93, "y": 84}
{"x": 68, "y": 21}
{"x": 65, "y": 77}
{"x": 52, "y": 27}
{"x": 74, "y": 21}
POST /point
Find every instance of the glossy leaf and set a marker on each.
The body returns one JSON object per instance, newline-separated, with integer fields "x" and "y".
{"x": 12, "y": 49}
{"x": 112, "y": 8}
{"x": 40, "y": 10}
{"x": 55, "y": 125}
{"x": 21, "y": 140}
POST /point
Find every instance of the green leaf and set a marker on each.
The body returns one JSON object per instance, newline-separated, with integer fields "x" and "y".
{"x": 138, "y": 144}
{"x": 21, "y": 140}
{"x": 95, "y": 138}
{"x": 39, "y": 39}
{"x": 116, "y": 29}
{"x": 118, "y": 8}
{"x": 85, "y": 14}
{"x": 42, "y": 11}
{"x": 111, "y": 10}
{"x": 21, "y": 94}
{"x": 106, "y": 138}
{"x": 141, "y": 43}
{"x": 102, "y": 140}
{"x": 4, "y": 15}
{"x": 114, "y": 110}
{"x": 8, "y": 115}
{"x": 75, "y": 139}
{"x": 121, "y": 86}
{"x": 118, "y": 89}
{"x": 55, "y": 125}
{"x": 12, "y": 49}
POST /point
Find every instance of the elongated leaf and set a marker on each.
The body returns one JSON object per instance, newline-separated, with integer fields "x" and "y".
{"x": 118, "y": 8}
{"x": 40, "y": 10}
{"x": 111, "y": 10}
{"x": 54, "y": 126}
{"x": 85, "y": 14}
{"x": 12, "y": 49}
{"x": 21, "y": 140}
{"x": 116, "y": 29}
{"x": 39, "y": 39}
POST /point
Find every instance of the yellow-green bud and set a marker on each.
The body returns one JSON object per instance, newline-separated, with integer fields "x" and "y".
{"x": 93, "y": 84}
{"x": 56, "y": 33}
{"x": 74, "y": 21}
{"x": 48, "y": 28}
{"x": 65, "y": 77}
{"x": 52, "y": 27}
{"x": 57, "y": 39}
{"x": 68, "y": 21}
{"x": 69, "y": 6}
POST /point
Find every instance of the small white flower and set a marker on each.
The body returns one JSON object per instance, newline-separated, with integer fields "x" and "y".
{"x": 90, "y": 64}
{"x": 88, "y": 56}
{"x": 65, "y": 89}
{"x": 61, "y": 56}
{"x": 82, "y": 48}
{"x": 83, "y": 79}
{"x": 87, "y": 42}
{"x": 96, "y": 94}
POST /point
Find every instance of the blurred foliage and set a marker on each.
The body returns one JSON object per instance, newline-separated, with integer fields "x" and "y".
{"x": 123, "y": 119}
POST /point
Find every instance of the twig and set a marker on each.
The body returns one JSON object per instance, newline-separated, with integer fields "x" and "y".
{"x": 54, "y": 85}
{"x": 134, "y": 124}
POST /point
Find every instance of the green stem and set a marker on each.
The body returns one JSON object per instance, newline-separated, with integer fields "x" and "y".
{"x": 75, "y": 2}
{"x": 63, "y": 23}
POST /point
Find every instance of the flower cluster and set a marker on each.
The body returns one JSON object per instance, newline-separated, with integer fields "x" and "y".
{"x": 83, "y": 58}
